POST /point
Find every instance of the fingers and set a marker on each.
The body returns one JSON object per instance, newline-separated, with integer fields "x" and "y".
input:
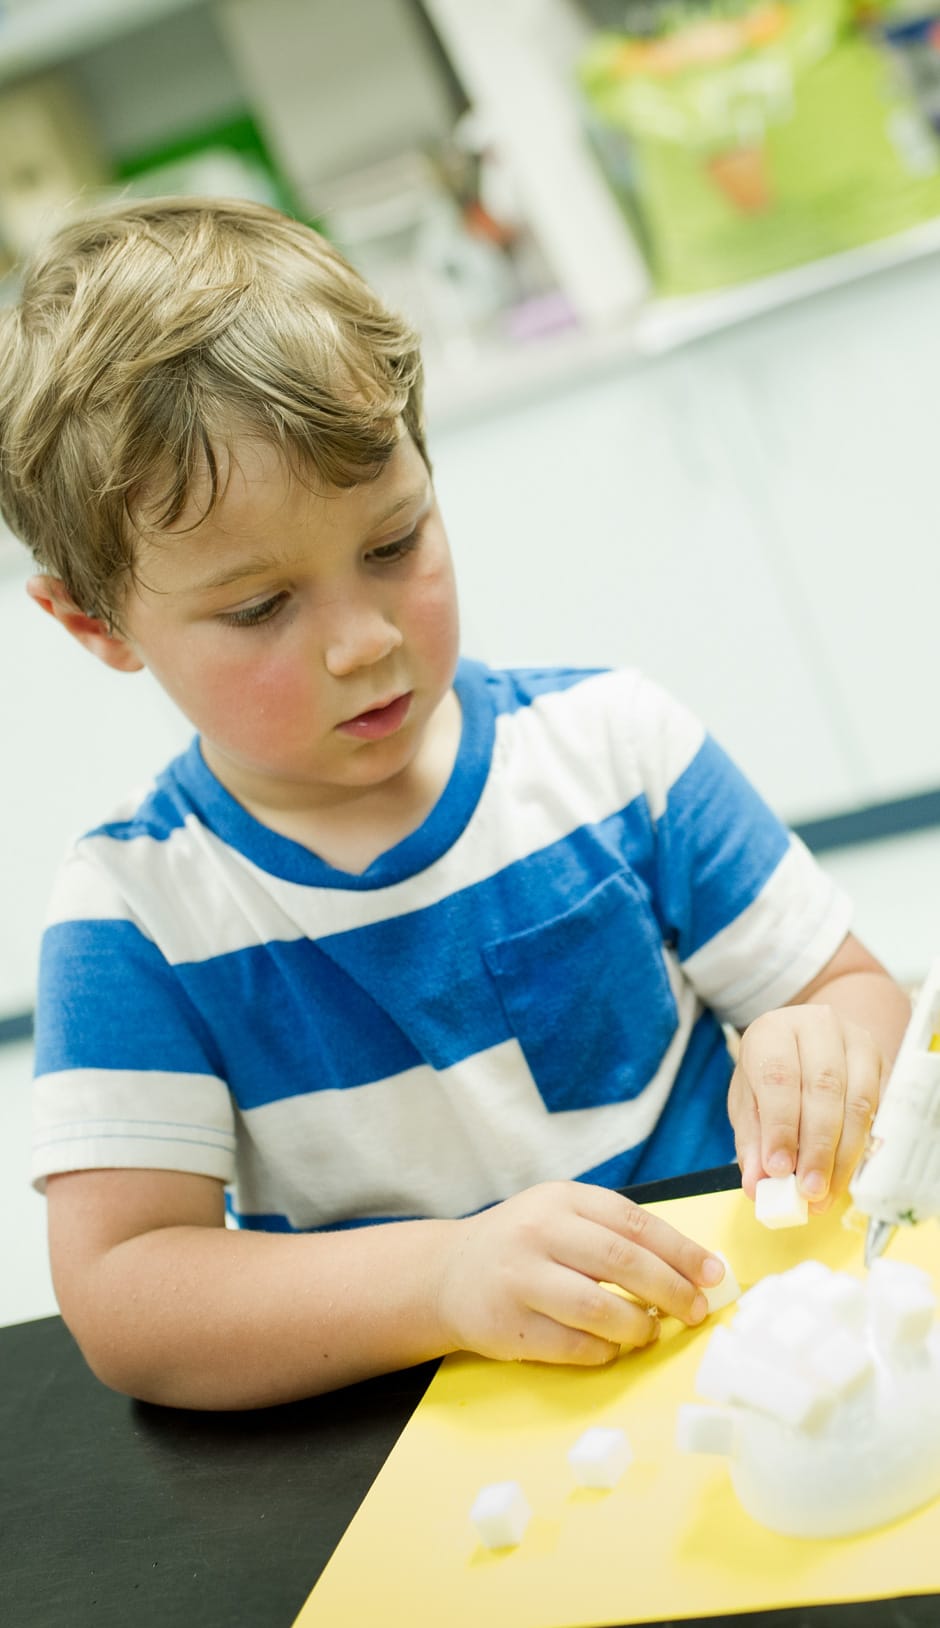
{"x": 745, "y": 1122}
{"x": 804, "y": 1094}
{"x": 567, "y": 1272}
{"x": 614, "y": 1240}
{"x": 585, "y": 1323}
{"x": 824, "y": 1068}
{"x": 770, "y": 1060}
{"x": 863, "y": 1072}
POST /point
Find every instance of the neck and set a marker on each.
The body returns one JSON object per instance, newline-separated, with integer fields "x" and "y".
{"x": 353, "y": 827}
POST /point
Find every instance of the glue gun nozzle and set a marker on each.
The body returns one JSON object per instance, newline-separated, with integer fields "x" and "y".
{"x": 877, "y": 1238}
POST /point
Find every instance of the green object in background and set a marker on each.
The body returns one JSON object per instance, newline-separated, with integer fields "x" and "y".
{"x": 758, "y": 139}
{"x": 230, "y": 159}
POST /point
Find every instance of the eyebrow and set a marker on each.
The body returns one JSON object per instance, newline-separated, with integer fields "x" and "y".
{"x": 235, "y": 573}
{"x": 259, "y": 563}
{"x": 406, "y": 502}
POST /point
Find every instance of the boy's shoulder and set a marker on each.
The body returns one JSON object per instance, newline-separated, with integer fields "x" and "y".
{"x": 624, "y": 697}
{"x": 145, "y": 861}
{"x": 513, "y": 687}
{"x": 562, "y": 688}
{"x": 154, "y": 809}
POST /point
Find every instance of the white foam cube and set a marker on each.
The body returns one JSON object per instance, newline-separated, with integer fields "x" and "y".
{"x": 715, "y": 1377}
{"x": 794, "y": 1399}
{"x": 600, "y": 1456}
{"x": 759, "y": 1302}
{"x": 842, "y": 1361}
{"x": 795, "y": 1329}
{"x": 884, "y": 1273}
{"x": 902, "y": 1304}
{"x": 847, "y": 1300}
{"x": 704, "y": 1430}
{"x": 808, "y": 1278}
{"x": 722, "y": 1294}
{"x": 777, "y": 1203}
{"x": 500, "y": 1514}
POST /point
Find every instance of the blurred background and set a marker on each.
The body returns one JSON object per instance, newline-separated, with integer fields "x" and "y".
{"x": 676, "y": 265}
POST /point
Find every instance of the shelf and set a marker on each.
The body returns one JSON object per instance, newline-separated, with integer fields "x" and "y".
{"x": 664, "y": 324}
{"x": 45, "y": 33}
{"x": 497, "y": 378}
{"x": 510, "y": 376}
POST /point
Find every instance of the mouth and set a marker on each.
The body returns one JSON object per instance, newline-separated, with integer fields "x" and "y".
{"x": 379, "y": 721}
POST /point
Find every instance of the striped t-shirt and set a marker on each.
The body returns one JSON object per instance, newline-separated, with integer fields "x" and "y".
{"x": 529, "y": 986}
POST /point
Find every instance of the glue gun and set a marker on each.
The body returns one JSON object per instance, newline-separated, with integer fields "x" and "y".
{"x": 898, "y": 1180}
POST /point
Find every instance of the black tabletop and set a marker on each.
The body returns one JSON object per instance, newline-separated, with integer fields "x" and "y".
{"x": 114, "y": 1512}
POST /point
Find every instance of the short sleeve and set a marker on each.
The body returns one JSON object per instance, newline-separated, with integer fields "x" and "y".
{"x": 749, "y": 912}
{"x": 125, "y": 1074}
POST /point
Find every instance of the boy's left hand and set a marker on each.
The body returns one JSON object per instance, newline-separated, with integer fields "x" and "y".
{"x": 802, "y": 1097}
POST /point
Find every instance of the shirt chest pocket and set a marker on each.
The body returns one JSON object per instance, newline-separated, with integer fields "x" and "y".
{"x": 587, "y": 996}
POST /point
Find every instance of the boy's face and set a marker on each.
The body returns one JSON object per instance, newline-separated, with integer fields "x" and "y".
{"x": 310, "y": 635}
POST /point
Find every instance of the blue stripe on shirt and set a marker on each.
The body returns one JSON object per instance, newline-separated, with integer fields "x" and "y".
{"x": 717, "y": 829}
{"x": 302, "y": 1015}
{"x": 299, "y": 1016}
{"x": 693, "y": 1133}
{"x": 108, "y": 999}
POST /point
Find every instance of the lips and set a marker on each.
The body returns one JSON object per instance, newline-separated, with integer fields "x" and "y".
{"x": 379, "y": 721}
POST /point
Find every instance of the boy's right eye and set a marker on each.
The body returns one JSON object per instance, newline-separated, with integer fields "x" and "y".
{"x": 253, "y": 615}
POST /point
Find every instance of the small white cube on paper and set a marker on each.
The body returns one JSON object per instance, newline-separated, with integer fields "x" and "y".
{"x": 600, "y": 1456}
{"x": 777, "y": 1202}
{"x": 500, "y": 1514}
{"x": 704, "y": 1430}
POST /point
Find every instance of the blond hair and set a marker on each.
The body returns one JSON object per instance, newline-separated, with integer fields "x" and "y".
{"x": 147, "y": 336}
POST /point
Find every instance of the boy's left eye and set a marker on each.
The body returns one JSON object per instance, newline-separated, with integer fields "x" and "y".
{"x": 254, "y": 615}
{"x": 387, "y": 553}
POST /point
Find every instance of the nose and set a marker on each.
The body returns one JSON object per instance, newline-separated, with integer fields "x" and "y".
{"x": 361, "y": 635}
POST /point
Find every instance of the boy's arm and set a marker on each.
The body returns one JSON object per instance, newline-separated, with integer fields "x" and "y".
{"x": 809, "y": 1075}
{"x": 170, "y": 1305}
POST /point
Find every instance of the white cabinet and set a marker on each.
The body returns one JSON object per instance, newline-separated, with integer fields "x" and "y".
{"x": 615, "y": 523}
{"x": 753, "y": 518}
{"x": 840, "y": 398}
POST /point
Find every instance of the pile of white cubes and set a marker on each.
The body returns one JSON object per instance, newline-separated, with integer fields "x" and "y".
{"x": 828, "y": 1393}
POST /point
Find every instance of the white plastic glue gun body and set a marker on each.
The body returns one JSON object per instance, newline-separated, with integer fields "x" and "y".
{"x": 898, "y": 1181}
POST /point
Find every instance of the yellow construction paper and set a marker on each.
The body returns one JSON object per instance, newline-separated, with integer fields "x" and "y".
{"x": 669, "y": 1541}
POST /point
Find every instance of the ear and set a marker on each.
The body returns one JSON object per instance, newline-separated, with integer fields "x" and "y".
{"x": 93, "y": 632}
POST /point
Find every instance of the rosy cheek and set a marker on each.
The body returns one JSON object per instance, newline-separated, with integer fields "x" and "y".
{"x": 224, "y": 687}
{"x": 256, "y": 683}
{"x": 434, "y": 618}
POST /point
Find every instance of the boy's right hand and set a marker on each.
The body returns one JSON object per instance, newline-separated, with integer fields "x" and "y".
{"x": 525, "y": 1278}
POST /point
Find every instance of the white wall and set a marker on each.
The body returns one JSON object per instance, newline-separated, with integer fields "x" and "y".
{"x": 76, "y": 737}
{"x": 753, "y": 519}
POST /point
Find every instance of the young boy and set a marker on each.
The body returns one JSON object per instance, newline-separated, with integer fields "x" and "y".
{"x": 422, "y": 961}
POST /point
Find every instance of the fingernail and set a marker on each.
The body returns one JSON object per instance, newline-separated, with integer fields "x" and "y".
{"x": 712, "y": 1271}
{"x": 813, "y": 1184}
{"x": 780, "y": 1164}
{"x": 699, "y": 1309}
